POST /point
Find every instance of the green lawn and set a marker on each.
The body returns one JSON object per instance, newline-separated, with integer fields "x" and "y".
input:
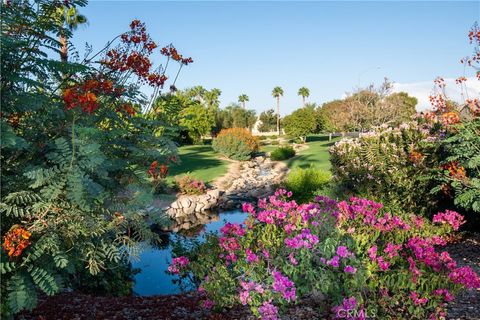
{"x": 317, "y": 153}
{"x": 200, "y": 161}
{"x": 203, "y": 163}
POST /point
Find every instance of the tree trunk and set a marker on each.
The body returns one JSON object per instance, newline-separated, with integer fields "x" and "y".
{"x": 64, "y": 49}
{"x": 303, "y": 99}
{"x": 278, "y": 115}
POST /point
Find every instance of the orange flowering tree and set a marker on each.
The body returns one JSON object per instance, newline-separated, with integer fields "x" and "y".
{"x": 458, "y": 175}
{"x": 80, "y": 157}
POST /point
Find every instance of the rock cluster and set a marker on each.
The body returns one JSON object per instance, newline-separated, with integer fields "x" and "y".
{"x": 245, "y": 181}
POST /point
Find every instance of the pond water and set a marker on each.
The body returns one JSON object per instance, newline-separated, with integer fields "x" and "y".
{"x": 153, "y": 262}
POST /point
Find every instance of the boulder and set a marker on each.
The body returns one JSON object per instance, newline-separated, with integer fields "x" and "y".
{"x": 184, "y": 202}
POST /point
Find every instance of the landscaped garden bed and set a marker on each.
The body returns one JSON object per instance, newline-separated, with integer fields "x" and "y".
{"x": 119, "y": 206}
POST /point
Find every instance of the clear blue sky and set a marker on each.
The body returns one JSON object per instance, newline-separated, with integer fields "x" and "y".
{"x": 250, "y": 47}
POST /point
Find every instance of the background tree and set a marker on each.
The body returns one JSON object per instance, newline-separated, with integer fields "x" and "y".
{"x": 198, "y": 121}
{"x": 304, "y": 93}
{"x": 277, "y": 92}
{"x": 243, "y": 98}
{"x": 68, "y": 19}
{"x": 235, "y": 116}
{"x": 367, "y": 108}
{"x": 300, "y": 123}
{"x": 268, "y": 121}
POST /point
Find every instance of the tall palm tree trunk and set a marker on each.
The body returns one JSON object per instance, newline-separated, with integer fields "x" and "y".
{"x": 303, "y": 99}
{"x": 278, "y": 115}
{"x": 64, "y": 49}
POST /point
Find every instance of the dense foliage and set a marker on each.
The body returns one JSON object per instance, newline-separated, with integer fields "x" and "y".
{"x": 79, "y": 161}
{"x": 386, "y": 165}
{"x": 368, "y": 262}
{"x": 305, "y": 183}
{"x": 235, "y": 143}
{"x": 282, "y": 153}
{"x": 416, "y": 166}
{"x": 459, "y": 175}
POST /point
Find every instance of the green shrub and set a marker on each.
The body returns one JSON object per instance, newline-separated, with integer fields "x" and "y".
{"x": 306, "y": 183}
{"x": 235, "y": 143}
{"x": 282, "y": 153}
{"x": 262, "y": 137}
{"x": 274, "y": 137}
{"x": 275, "y": 143}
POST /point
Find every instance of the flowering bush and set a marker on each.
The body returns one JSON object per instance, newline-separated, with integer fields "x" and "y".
{"x": 189, "y": 185}
{"x": 79, "y": 157}
{"x": 355, "y": 253}
{"x": 391, "y": 164}
{"x": 236, "y": 143}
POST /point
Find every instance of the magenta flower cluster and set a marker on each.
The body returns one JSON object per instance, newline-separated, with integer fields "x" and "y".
{"x": 450, "y": 217}
{"x": 347, "y": 308}
{"x": 178, "y": 264}
{"x": 284, "y": 286}
{"x": 305, "y": 239}
{"x": 268, "y": 311}
{"x": 229, "y": 241}
{"x": 369, "y": 212}
{"x": 247, "y": 288}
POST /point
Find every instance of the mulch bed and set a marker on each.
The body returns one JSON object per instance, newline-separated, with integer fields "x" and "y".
{"x": 74, "y": 306}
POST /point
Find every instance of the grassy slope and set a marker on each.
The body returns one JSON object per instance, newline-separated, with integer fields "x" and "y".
{"x": 317, "y": 153}
{"x": 200, "y": 161}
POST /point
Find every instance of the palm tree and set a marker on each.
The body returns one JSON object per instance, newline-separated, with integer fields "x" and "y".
{"x": 243, "y": 98}
{"x": 69, "y": 19}
{"x": 277, "y": 92}
{"x": 304, "y": 93}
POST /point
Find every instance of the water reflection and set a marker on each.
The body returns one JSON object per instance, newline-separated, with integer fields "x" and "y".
{"x": 153, "y": 262}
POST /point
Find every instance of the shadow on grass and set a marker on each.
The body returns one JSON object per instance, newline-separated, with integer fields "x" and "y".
{"x": 304, "y": 160}
{"x": 317, "y": 138}
{"x": 194, "y": 161}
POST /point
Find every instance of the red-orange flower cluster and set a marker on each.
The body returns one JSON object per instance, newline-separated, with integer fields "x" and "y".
{"x": 129, "y": 109}
{"x": 460, "y": 80}
{"x": 157, "y": 172}
{"x": 415, "y": 157}
{"x": 455, "y": 170}
{"x": 449, "y": 118}
{"x": 474, "y": 35}
{"x": 438, "y": 102}
{"x": 138, "y": 35}
{"x": 474, "y": 105}
{"x": 171, "y": 51}
{"x": 85, "y": 95}
{"x": 16, "y": 240}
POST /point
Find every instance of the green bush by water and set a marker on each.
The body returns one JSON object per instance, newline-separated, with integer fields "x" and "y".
{"x": 306, "y": 183}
